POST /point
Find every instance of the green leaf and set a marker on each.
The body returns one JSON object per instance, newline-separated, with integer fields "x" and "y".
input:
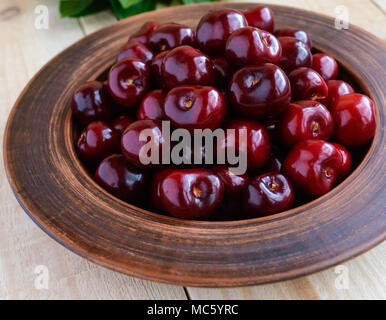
{"x": 142, "y": 6}
{"x": 195, "y": 1}
{"x": 79, "y": 8}
{"x": 128, "y": 3}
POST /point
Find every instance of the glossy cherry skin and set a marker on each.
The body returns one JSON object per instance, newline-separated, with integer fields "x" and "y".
{"x": 336, "y": 88}
{"x": 313, "y": 166}
{"x": 128, "y": 82}
{"x": 97, "y": 141}
{"x": 307, "y": 84}
{"x": 295, "y": 54}
{"x": 295, "y": 33}
{"x": 143, "y": 34}
{"x": 305, "y": 120}
{"x": 171, "y": 35}
{"x": 155, "y": 189}
{"x": 186, "y": 65}
{"x": 132, "y": 145}
{"x": 116, "y": 175}
{"x": 325, "y": 65}
{"x": 195, "y": 107}
{"x": 354, "y": 117}
{"x": 215, "y": 27}
{"x": 91, "y": 102}
{"x": 234, "y": 186}
{"x": 251, "y": 46}
{"x": 191, "y": 193}
{"x": 155, "y": 66}
{"x": 135, "y": 49}
{"x": 223, "y": 70}
{"x": 152, "y": 106}
{"x": 121, "y": 123}
{"x": 257, "y": 145}
{"x": 268, "y": 194}
{"x": 260, "y": 17}
{"x": 346, "y": 163}
{"x": 260, "y": 91}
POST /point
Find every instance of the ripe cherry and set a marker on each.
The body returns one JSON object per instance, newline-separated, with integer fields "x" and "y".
{"x": 268, "y": 194}
{"x": 121, "y": 123}
{"x": 215, "y": 27}
{"x": 132, "y": 144}
{"x": 135, "y": 49}
{"x": 313, "y": 166}
{"x": 307, "y": 84}
{"x": 260, "y": 17}
{"x": 91, "y": 102}
{"x": 251, "y": 46}
{"x": 354, "y": 117}
{"x": 325, "y": 65}
{"x": 295, "y": 54}
{"x": 305, "y": 120}
{"x": 152, "y": 106}
{"x": 155, "y": 66}
{"x": 295, "y": 33}
{"x": 256, "y": 146}
{"x": 97, "y": 141}
{"x": 143, "y": 34}
{"x": 129, "y": 81}
{"x": 346, "y": 163}
{"x": 223, "y": 71}
{"x": 336, "y": 88}
{"x": 186, "y": 65}
{"x": 119, "y": 177}
{"x": 191, "y": 193}
{"x": 195, "y": 107}
{"x": 260, "y": 91}
{"x": 171, "y": 35}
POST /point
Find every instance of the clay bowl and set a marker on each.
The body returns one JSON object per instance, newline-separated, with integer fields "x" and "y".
{"x": 60, "y": 195}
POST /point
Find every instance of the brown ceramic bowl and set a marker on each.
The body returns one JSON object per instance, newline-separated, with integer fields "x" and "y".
{"x": 61, "y": 197}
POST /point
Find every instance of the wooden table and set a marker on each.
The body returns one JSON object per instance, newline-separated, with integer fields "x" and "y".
{"x": 24, "y": 247}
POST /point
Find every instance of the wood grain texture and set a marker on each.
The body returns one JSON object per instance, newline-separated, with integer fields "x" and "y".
{"x": 23, "y": 246}
{"x": 64, "y": 201}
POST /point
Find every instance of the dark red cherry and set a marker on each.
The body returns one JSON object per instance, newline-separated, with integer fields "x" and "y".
{"x": 307, "y": 84}
{"x": 354, "y": 117}
{"x": 345, "y": 166}
{"x": 186, "y": 65}
{"x": 97, "y": 141}
{"x": 215, "y": 27}
{"x": 120, "y": 178}
{"x": 325, "y": 65}
{"x": 271, "y": 125}
{"x": 135, "y": 49}
{"x": 313, "y": 166}
{"x": 295, "y": 33}
{"x": 260, "y": 17}
{"x": 128, "y": 82}
{"x": 91, "y": 102}
{"x": 256, "y": 146}
{"x": 191, "y": 193}
{"x": 143, "y": 34}
{"x": 156, "y": 71}
{"x": 295, "y": 54}
{"x": 305, "y": 120}
{"x": 171, "y": 35}
{"x": 252, "y": 46}
{"x": 152, "y": 106}
{"x": 234, "y": 185}
{"x": 274, "y": 162}
{"x": 195, "y": 107}
{"x": 133, "y": 146}
{"x": 223, "y": 70}
{"x": 336, "y": 88}
{"x": 260, "y": 91}
{"x": 155, "y": 189}
{"x": 268, "y": 194}
{"x": 121, "y": 123}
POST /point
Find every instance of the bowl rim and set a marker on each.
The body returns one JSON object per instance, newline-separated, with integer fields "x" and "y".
{"x": 61, "y": 238}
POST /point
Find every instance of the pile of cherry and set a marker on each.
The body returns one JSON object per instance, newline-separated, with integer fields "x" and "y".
{"x": 235, "y": 72}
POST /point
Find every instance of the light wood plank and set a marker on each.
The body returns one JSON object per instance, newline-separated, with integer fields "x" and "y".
{"x": 381, "y": 4}
{"x": 23, "y": 246}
